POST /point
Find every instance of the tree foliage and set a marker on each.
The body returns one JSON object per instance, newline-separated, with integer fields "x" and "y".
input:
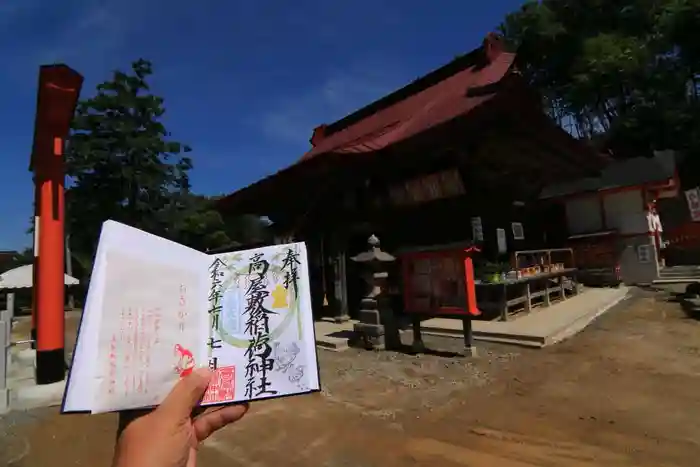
{"x": 620, "y": 72}
{"x": 20, "y": 258}
{"x": 122, "y": 165}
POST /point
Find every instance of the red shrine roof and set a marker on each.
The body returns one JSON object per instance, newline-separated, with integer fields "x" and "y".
{"x": 417, "y": 112}
{"x": 445, "y": 94}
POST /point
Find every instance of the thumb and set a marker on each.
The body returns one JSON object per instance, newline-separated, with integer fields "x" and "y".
{"x": 185, "y": 396}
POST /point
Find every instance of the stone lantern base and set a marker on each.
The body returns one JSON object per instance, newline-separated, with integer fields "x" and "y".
{"x": 369, "y": 330}
{"x": 378, "y": 328}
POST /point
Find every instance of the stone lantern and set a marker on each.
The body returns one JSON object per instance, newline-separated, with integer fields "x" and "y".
{"x": 375, "y": 310}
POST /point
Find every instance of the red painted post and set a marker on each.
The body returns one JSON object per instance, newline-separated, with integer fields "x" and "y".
{"x": 59, "y": 88}
{"x": 469, "y": 283}
{"x": 470, "y": 293}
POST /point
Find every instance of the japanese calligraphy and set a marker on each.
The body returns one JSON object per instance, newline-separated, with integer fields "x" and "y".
{"x": 259, "y": 352}
{"x": 215, "y": 294}
{"x": 289, "y": 266}
{"x": 130, "y": 352}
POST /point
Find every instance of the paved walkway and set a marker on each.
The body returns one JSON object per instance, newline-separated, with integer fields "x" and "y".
{"x": 541, "y": 327}
{"x": 24, "y": 392}
{"x": 333, "y": 336}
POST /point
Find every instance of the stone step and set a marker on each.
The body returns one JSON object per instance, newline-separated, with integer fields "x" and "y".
{"x": 684, "y": 270}
{"x": 31, "y": 396}
{"x": 20, "y": 372}
{"x": 675, "y": 280}
{"x": 540, "y": 328}
{"x": 518, "y": 340}
{"x": 335, "y": 344}
{"x": 679, "y": 274}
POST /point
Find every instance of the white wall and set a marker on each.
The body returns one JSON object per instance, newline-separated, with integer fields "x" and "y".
{"x": 624, "y": 212}
{"x": 583, "y": 215}
{"x": 632, "y": 270}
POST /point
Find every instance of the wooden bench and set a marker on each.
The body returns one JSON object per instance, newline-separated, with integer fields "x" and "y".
{"x": 498, "y": 296}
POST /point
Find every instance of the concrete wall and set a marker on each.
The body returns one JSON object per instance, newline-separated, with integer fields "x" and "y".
{"x": 624, "y": 212}
{"x": 6, "y": 317}
{"x": 632, "y": 269}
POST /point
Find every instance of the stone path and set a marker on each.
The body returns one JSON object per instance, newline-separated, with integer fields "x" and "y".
{"x": 544, "y": 325}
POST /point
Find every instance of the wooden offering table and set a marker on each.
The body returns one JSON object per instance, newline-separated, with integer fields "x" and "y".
{"x": 539, "y": 281}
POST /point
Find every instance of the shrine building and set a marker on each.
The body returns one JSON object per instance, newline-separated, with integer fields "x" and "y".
{"x": 456, "y": 157}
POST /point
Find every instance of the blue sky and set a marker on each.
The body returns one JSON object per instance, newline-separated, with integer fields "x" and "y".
{"x": 244, "y": 81}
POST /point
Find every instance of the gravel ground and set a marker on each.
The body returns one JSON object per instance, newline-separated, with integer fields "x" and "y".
{"x": 385, "y": 383}
{"x": 621, "y": 393}
{"x": 13, "y": 445}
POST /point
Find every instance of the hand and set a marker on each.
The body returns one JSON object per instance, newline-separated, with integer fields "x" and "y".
{"x": 170, "y": 435}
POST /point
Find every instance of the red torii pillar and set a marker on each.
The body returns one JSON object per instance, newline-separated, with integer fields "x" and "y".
{"x": 469, "y": 280}
{"x": 59, "y": 88}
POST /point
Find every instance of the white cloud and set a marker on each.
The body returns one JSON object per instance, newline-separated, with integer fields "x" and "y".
{"x": 292, "y": 119}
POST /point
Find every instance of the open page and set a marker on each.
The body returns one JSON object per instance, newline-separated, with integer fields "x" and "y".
{"x": 156, "y": 310}
{"x": 143, "y": 321}
{"x": 260, "y": 336}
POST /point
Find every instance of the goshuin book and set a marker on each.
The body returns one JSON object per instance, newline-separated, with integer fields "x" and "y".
{"x": 156, "y": 310}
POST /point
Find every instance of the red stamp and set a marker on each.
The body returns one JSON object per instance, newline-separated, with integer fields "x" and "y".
{"x": 222, "y": 387}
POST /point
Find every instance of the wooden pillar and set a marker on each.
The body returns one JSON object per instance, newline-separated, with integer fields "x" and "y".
{"x": 340, "y": 287}
{"x": 562, "y": 288}
{"x": 59, "y": 88}
{"x": 503, "y": 301}
{"x": 546, "y": 298}
{"x": 50, "y": 320}
{"x": 528, "y": 297}
{"x": 334, "y": 265}
{"x": 316, "y": 279}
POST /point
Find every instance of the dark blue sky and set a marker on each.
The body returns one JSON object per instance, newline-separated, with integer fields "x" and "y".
{"x": 244, "y": 81}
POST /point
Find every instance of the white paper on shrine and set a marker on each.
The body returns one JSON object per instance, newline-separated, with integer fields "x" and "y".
{"x": 156, "y": 310}
{"x": 291, "y": 366}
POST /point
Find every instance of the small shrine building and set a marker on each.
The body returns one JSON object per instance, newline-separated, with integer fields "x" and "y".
{"x": 617, "y": 219}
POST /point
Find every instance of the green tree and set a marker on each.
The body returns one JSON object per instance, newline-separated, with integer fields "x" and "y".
{"x": 121, "y": 163}
{"x": 21, "y": 258}
{"x": 123, "y": 166}
{"x": 623, "y": 73}
{"x": 198, "y": 224}
{"x": 194, "y": 222}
